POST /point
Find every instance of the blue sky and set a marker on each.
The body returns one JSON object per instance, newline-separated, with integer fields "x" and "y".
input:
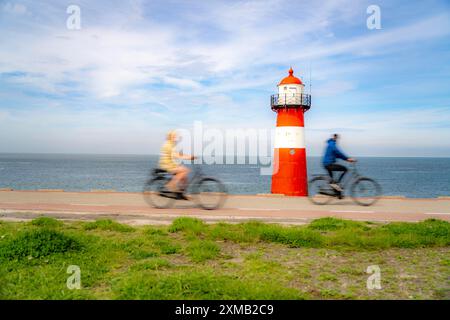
{"x": 136, "y": 69}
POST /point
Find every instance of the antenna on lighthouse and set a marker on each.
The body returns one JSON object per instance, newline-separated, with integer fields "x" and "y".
{"x": 310, "y": 77}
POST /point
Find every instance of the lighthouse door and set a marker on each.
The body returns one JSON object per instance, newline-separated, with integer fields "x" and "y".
{"x": 292, "y": 94}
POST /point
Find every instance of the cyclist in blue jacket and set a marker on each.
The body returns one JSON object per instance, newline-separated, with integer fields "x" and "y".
{"x": 329, "y": 162}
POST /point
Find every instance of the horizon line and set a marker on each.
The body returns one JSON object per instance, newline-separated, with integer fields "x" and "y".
{"x": 154, "y": 154}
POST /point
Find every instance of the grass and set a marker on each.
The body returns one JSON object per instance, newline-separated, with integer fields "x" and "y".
{"x": 46, "y": 222}
{"x": 151, "y": 264}
{"x": 201, "y": 285}
{"x": 167, "y": 247}
{"x": 326, "y": 259}
{"x": 107, "y": 224}
{"x": 333, "y": 224}
{"x": 190, "y": 225}
{"x": 326, "y": 233}
{"x": 202, "y": 250}
{"x": 36, "y": 244}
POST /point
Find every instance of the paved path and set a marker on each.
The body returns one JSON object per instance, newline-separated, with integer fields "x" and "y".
{"x": 131, "y": 208}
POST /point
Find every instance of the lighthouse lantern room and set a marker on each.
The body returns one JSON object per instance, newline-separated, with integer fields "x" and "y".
{"x": 290, "y": 173}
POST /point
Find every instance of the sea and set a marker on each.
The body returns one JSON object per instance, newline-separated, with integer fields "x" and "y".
{"x": 410, "y": 177}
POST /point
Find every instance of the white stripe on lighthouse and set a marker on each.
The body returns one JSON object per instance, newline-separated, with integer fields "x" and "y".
{"x": 289, "y": 137}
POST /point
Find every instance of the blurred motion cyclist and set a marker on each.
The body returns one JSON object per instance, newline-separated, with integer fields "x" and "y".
{"x": 332, "y": 153}
{"x": 167, "y": 162}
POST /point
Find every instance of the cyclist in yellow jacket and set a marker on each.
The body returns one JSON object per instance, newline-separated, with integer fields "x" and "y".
{"x": 167, "y": 162}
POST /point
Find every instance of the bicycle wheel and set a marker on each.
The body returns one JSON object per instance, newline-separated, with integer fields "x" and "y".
{"x": 153, "y": 196}
{"x": 210, "y": 193}
{"x": 319, "y": 191}
{"x": 365, "y": 191}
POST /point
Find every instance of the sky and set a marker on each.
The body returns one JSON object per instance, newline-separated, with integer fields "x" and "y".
{"x": 136, "y": 69}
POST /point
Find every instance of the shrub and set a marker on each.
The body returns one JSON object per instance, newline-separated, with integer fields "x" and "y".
{"x": 38, "y": 243}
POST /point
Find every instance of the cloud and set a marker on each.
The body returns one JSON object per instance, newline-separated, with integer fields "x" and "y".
{"x": 216, "y": 61}
{"x": 109, "y": 61}
{"x": 422, "y": 30}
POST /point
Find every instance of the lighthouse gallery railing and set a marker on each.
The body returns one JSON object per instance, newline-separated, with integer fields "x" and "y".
{"x": 290, "y": 100}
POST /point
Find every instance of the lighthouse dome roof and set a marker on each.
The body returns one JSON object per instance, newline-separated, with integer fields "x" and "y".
{"x": 290, "y": 79}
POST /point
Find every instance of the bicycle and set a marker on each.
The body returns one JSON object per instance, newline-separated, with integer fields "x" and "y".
{"x": 363, "y": 190}
{"x": 206, "y": 192}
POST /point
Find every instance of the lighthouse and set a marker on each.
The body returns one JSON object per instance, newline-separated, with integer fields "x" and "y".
{"x": 289, "y": 175}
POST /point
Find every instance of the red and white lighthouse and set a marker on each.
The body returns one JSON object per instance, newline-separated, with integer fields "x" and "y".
{"x": 290, "y": 175}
